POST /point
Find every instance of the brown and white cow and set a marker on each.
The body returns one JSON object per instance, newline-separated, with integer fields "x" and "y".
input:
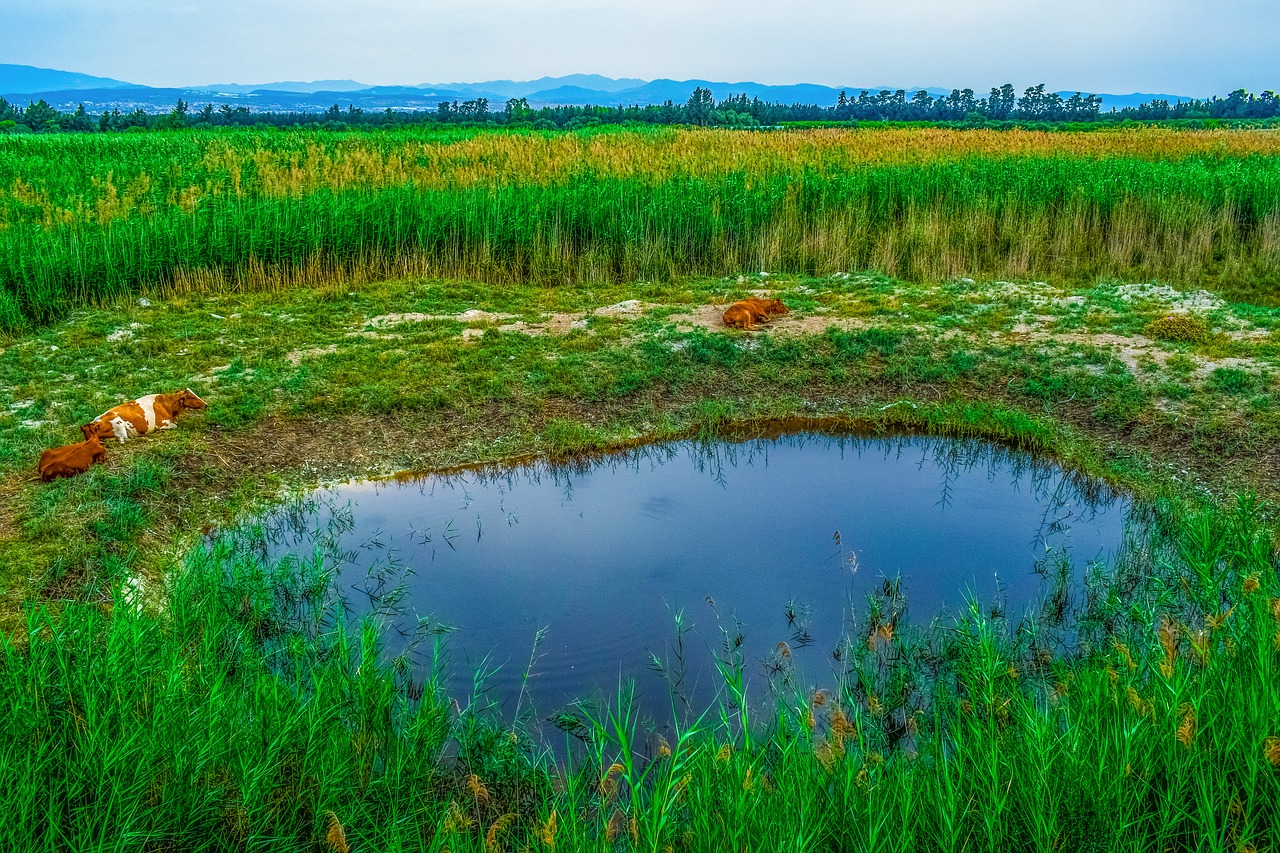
{"x": 71, "y": 459}
{"x": 143, "y": 415}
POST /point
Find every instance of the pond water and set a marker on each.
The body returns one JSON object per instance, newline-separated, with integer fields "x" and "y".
{"x": 767, "y": 549}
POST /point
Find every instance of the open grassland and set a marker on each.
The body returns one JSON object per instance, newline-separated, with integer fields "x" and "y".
{"x": 85, "y": 219}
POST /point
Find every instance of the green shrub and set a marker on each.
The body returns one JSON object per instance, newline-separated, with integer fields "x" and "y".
{"x": 1178, "y": 327}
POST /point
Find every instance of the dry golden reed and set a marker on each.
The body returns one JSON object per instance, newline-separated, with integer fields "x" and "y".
{"x": 616, "y": 826}
{"x": 1125, "y": 657}
{"x": 457, "y": 820}
{"x": 1144, "y": 707}
{"x": 827, "y": 752}
{"x": 1168, "y": 636}
{"x": 496, "y": 829}
{"x": 840, "y": 725}
{"x": 1216, "y": 621}
{"x": 547, "y": 832}
{"x": 1187, "y": 728}
{"x": 1271, "y": 749}
{"x": 335, "y": 837}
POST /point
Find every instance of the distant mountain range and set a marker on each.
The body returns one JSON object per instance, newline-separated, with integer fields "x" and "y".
{"x": 64, "y": 90}
{"x": 28, "y": 78}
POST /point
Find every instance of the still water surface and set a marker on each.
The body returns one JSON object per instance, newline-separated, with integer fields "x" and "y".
{"x": 585, "y": 569}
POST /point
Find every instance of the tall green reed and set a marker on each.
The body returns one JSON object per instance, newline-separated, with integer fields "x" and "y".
{"x": 246, "y": 713}
{"x": 1201, "y": 220}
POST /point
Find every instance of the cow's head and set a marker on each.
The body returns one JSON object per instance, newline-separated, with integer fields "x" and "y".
{"x": 776, "y": 307}
{"x": 95, "y": 429}
{"x": 188, "y": 400}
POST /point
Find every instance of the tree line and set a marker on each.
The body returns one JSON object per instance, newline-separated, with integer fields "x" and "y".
{"x": 962, "y": 106}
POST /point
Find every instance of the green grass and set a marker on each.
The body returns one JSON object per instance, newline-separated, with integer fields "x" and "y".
{"x": 236, "y": 210}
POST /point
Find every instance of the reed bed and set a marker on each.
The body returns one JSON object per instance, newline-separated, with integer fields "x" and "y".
{"x": 86, "y": 219}
{"x": 247, "y": 715}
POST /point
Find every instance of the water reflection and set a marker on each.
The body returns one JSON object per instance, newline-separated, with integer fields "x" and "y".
{"x": 674, "y": 564}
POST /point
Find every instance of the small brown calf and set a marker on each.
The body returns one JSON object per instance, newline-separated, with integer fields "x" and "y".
{"x": 768, "y": 306}
{"x": 741, "y": 316}
{"x": 71, "y": 459}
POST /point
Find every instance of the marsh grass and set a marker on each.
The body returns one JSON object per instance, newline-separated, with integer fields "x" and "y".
{"x": 262, "y": 211}
{"x": 249, "y": 713}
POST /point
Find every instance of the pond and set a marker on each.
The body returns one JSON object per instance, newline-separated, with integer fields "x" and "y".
{"x": 558, "y": 582}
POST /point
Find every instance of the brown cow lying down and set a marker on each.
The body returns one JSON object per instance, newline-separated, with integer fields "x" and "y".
{"x": 744, "y": 314}
{"x": 143, "y": 415}
{"x": 768, "y": 306}
{"x": 71, "y": 459}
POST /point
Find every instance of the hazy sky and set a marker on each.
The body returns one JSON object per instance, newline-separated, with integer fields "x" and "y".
{"x": 1190, "y": 47}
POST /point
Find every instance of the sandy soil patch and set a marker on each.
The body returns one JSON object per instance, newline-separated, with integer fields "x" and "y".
{"x": 473, "y": 315}
{"x": 299, "y": 355}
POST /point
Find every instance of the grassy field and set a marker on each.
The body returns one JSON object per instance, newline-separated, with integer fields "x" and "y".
{"x": 192, "y": 211}
{"x": 162, "y": 692}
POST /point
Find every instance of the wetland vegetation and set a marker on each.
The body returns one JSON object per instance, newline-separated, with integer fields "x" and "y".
{"x": 86, "y": 219}
{"x": 357, "y": 306}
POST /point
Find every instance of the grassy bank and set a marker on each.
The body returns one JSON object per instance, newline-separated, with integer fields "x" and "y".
{"x": 163, "y": 696}
{"x": 335, "y": 382}
{"x": 249, "y": 210}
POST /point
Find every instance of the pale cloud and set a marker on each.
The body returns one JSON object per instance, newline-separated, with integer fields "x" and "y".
{"x": 1181, "y": 46}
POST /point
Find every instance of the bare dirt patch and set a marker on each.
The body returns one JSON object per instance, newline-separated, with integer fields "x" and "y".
{"x": 473, "y": 315}
{"x": 298, "y": 356}
{"x": 711, "y": 317}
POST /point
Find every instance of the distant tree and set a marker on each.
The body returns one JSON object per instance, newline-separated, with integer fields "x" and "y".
{"x": 40, "y": 116}
{"x": 921, "y": 105}
{"x": 843, "y": 105}
{"x": 79, "y": 121}
{"x": 137, "y": 118}
{"x": 1086, "y": 107}
{"x": 697, "y": 110}
{"x": 517, "y": 109}
{"x": 956, "y": 106}
{"x": 1001, "y": 102}
{"x": 177, "y": 117}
